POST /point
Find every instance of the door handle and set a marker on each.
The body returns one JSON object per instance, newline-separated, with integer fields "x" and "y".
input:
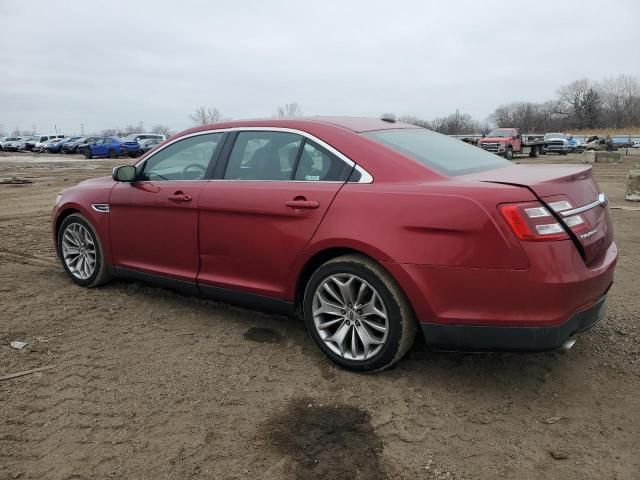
{"x": 302, "y": 204}
{"x": 180, "y": 197}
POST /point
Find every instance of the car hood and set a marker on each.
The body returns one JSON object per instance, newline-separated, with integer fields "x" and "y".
{"x": 99, "y": 181}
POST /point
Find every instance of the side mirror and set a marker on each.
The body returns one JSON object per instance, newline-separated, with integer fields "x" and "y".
{"x": 124, "y": 173}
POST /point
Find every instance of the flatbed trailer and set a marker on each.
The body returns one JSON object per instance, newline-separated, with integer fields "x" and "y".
{"x": 508, "y": 142}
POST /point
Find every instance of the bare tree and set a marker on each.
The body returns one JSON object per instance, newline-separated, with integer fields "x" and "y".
{"x": 573, "y": 98}
{"x": 205, "y": 115}
{"x": 162, "y": 130}
{"x": 289, "y": 110}
{"x": 456, "y": 124}
{"x": 109, "y": 132}
{"x": 410, "y": 119}
{"x": 620, "y": 97}
{"x": 129, "y": 129}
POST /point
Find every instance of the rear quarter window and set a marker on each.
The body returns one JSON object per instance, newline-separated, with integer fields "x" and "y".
{"x": 438, "y": 152}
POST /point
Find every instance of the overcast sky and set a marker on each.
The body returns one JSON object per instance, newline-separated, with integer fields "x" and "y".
{"x": 114, "y": 63}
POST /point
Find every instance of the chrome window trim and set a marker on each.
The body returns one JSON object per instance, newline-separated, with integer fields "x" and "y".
{"x": 365, "y": 177}
{"x": 602, "y": 200}
{"x": 101, "y": 207}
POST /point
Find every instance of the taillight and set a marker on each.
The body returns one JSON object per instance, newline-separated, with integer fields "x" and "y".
{"x": 532, "y": 221}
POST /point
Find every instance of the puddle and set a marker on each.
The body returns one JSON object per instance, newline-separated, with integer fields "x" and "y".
{"x": 327, "y": 441}
{"x": 263, "y": 335}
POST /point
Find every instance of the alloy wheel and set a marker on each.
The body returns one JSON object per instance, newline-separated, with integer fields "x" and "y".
{"x": 79, "y": 251}
{"x": 350, "y": 317}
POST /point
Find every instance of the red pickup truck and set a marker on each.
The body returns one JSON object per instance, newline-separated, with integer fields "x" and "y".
{"x": 508, "y": 142}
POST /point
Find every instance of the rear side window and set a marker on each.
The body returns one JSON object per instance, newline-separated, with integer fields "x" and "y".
{"x": 443, "y": 154}
{"x": 263, "y": 156}
{"x": 318, "y": 164}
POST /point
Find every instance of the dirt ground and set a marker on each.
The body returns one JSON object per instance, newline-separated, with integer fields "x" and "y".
{"x": 151, "y": 384}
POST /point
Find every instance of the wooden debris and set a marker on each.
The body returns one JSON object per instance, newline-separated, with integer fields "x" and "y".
{"x": 26, "y": 372}
{"x": 622, "y": 207}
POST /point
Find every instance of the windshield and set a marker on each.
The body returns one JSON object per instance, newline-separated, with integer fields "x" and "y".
{"x": 554, "y": 135}
{"x": 498, "y": 132}
{"x": 443, "y": 154}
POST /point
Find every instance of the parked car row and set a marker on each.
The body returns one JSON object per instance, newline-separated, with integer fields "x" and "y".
{"x": 132, "y": 145}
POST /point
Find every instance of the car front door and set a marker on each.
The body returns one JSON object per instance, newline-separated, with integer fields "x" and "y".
{"x": 517, "y": 141}
{"x": 270, "y": 194}
{"x": 97, "y": 148}
{"x": 154, "y": 220}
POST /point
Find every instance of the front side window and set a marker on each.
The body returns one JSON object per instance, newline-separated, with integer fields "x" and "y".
{"x": 187, "y": 159}
{"x": 318, "y": 164}
{"x": 263, "y": 156}
{"x": 439, "y": 152}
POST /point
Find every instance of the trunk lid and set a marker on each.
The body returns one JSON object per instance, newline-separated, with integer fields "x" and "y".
{"x": 550, "y": 183}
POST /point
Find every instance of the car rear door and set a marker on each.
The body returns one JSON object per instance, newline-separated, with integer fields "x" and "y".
{"x": 154, "y": 220}
{"x": 272, "y": 190}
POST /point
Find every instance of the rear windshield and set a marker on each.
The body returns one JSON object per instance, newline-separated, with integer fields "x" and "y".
{"x": 443, "y": 154}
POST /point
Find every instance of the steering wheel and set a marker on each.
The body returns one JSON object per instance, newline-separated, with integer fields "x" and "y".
{"x": 193, "y": 171}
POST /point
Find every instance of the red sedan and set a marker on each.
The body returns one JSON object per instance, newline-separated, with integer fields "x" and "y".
{"x": 372, "y": 230}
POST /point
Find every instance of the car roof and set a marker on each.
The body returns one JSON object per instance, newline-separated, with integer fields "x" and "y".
{"x": 354, "y": 124}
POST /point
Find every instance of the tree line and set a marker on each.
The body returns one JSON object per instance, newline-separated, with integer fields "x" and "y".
{"x": 583, "y": 104}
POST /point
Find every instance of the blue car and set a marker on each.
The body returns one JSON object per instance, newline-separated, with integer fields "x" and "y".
{"x": 111, "y": 147}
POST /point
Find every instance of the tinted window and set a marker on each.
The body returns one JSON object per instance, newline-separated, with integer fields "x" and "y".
{"x": 263, "y": 156}
{"x": 186, "y": 159}
{"x": 318, "y": 164}
{"x": 439, "y": 152}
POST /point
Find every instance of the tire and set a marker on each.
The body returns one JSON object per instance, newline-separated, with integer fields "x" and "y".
{"x": 87, "y": 153}
{"x": 535, "y": 152}
{"x": 508, "y": 154}
{"x": 72, "y": 232}
{"x": 400, "y": 320}
{"x": 113, "y": 153}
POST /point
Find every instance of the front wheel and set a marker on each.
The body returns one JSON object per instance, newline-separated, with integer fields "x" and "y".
{"x": 87, "y": 153}
{"x": 509, "y": 154}
{"x": 357, "y": 314}
{"x": 81, "y": 252}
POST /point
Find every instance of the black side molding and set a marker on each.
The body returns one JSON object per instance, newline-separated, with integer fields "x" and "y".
{"x": 182, "y": 286}
{"x": 248, "y": 300}
{"x": 236, "y": 297}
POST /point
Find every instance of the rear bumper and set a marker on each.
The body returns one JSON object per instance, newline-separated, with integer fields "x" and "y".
{"x": 524, "y": 339}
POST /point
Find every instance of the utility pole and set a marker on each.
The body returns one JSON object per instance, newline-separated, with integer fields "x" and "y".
{"x": 82, "y": 129}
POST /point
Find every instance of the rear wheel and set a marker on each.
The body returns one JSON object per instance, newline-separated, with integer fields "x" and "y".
{"x": 357, "y": 314}
{"x": 113, "y": 153}
{"x": 81, "y": 252}
{"x": 535, "y": 152}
